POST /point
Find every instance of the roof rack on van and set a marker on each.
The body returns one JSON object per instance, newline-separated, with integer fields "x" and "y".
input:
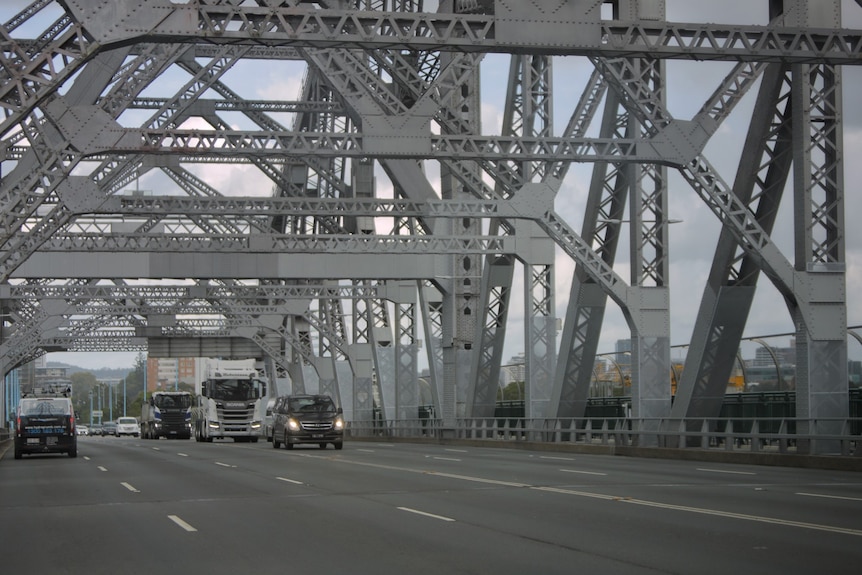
{"x": 51, "y": 390}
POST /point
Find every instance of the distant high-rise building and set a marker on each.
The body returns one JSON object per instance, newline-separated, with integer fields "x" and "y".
{"x": 623, "y": 350}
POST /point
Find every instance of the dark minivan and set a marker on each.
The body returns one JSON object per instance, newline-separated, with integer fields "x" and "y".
{"x": 45, "y": 425}
{"x": 307, "y": 419}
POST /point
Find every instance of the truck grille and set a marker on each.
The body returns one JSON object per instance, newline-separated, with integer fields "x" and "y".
{"x": 234, "y": 419}
{"x": 173, "y": 418}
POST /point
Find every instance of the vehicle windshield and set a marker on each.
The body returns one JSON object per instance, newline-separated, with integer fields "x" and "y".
{"x": 127, "y": 421}
{"x": 235, "y": 389}
{"x": 171, "y": 401}
{"x": 315, "y": 404}
{"x": 31, "y": 407}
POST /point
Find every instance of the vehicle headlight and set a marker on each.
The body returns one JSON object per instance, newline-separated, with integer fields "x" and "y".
{"x": 339, "y": 423}
{"x": 255, "y": 425}
{"x": 214, "y": 424}
{"x": 293, "y": 424}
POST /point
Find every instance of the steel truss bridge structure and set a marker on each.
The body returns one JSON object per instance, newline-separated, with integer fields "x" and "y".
{"x": 332, "y": 233}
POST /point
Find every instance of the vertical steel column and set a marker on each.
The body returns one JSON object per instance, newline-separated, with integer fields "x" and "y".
{"x": 820, "y": 312}
{"x": 650, "y": 305}
{"x": 540, "y": 334}
{"x": 431, "y": 306}
{"x": 406, "y": 353}
{"x": 361, "y": 360}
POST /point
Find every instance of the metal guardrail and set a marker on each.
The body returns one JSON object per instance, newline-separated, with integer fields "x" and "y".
{"x": 839, "y": 437}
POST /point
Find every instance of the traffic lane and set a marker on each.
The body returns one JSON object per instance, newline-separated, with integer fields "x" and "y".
{"x": 721, "y": 489}
{"x": 595, "y": 530}
{"x": 69, "y": 516}
{"x": 643, "y": 533}
{"x": 234, "y": 482}
{"x": 186, "y": 470}
{"x": 669, "y": 520}
{"x": 702, "y": 502}
{"x": 47, "y": 478}
{"x": 324, "y": 532}
{"x": 785, "y": 493}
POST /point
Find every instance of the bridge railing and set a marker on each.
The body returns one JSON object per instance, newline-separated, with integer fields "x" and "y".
{"x": 764, "y": 435}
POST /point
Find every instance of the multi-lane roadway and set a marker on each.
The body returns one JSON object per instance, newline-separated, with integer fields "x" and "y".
{"x": 127, "y": 505}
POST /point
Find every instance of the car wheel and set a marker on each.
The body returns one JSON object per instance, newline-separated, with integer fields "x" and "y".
{"x": 287, "y": 444}
{"x": 338, "y": 445}
{"x": 73, "y": 452}
{"x": 275, "y": 443}
{"x": 321, "y": 445}
{"x": 18, "y": 453}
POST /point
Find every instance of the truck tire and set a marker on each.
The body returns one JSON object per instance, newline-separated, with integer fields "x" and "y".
{"x": 275, "y": 443}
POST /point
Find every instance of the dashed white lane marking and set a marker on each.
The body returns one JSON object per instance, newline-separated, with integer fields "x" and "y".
{"x": 446, "y": 459}
{"x": 289, "y": 480}
{"x": 423, "y": 513}
{"x": 557, "y": 458}
{"x": 183, "y": 454}
{"x": 129, "y": 487}
{"x": 456, "y": 450}
{"x": 100, "y": 468}
{"x": 181, "y": 523}
{"x": 224, "y": 464}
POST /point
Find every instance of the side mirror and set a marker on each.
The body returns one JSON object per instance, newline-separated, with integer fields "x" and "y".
{"x": 339, "y": 411}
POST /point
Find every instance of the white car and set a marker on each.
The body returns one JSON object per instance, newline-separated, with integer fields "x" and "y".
{"x": 128, "y": 426}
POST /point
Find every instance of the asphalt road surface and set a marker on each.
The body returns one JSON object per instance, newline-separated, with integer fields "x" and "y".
{"x": 127, "y": 506}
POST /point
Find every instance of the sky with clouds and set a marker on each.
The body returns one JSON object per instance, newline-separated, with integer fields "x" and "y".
{"x": 692, "y": 240}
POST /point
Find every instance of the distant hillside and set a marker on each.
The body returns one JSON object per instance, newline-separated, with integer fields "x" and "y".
{"x": 101, "y": 373}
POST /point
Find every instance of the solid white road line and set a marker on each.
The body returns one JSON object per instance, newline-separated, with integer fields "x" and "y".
{"x": 726, "y": 471}
{"x": 831, "y": 496}
{"x": 582, "y": 472}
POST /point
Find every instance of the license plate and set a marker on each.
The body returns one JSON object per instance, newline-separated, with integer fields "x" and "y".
{"x": 32, "y": 441}
{"x": 317, "y": 436}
